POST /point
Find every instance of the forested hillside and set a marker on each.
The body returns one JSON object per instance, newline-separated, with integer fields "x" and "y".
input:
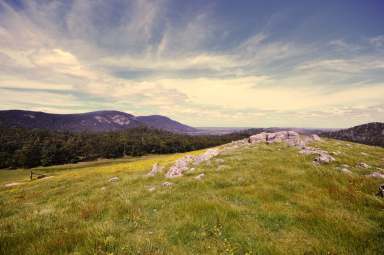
{"x": 29, "y": 148}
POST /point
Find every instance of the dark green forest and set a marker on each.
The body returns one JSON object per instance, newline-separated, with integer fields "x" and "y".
{"x": 24, "y": 148}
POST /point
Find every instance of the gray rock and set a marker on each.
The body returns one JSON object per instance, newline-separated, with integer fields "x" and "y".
{"x": 167, "y": 184}
{"x": 222, "y": 167}
{"x": 324, "y": 158}
{"x": 363, "y": 165}
{"x": 181, "y": 165}
{"x": 156, "y": 168}
{"x": 12, "y": 184}
{"x": 376, "y": 175}
{"x": 114, "y": 179}
{"x": 381, "y": 191}
{"x": 151, "y": 189}
{"x": 315, "y": 137}
{"x": 200, "y": 176}
{"x": 345, "y": 170}
{"x": 206, "y": 156}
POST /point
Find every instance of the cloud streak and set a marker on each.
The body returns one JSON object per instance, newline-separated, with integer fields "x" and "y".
{"x": 188, "y": 62}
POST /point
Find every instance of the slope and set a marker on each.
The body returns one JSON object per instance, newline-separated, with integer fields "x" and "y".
{"x": 261, "y": 199}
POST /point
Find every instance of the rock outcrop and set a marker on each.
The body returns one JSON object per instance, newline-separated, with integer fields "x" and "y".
{"x": 292, "y": 138}
{"x": 156, "y": 168}
{"x": 182, "y": 165}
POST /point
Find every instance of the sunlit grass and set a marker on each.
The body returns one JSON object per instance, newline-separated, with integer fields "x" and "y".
{"x": 267, "y": 200}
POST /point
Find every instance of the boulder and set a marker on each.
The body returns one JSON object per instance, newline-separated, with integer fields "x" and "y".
{"x": 206, "y": 156}
{"x": 376, "y": 175}
{"x": 181, "y": 165}
{"x": 167, "y": 184}
{"x": 258, "y": 138}
{"x": 200, "y": 176}
{"x": 156, "y": 168}
{"x": 381, "y": 191}
{"x": 114, "y": 179}
{"x": 344, "y": 170}
{"x": 324, "y": 158}
{"x": 315, "y": 137}
{"x": 151, "y": 189}
{"x": 12, "y": 184}
{"x": 363, "y": 165}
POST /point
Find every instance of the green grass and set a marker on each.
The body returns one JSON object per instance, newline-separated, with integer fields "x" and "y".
{"x": 269, "y": 200}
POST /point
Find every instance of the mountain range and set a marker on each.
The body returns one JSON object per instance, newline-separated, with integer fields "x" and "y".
{"x": 98, "y": 121}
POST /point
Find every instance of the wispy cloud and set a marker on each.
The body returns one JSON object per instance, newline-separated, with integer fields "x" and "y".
{"x": 186, "y": 61}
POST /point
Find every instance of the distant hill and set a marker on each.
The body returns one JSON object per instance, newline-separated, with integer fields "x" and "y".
{"x": 165, "y": 123}
{"x": 370, "y": 133}
{"x": 98, "y": 121}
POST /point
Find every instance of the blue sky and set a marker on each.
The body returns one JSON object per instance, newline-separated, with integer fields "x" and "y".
{"x": 204, "y": 63}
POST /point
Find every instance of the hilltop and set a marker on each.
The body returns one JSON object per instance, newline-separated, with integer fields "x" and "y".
{"x": 98, "y": 121}
{"x": 370, "y": 133}
{"x": 253, "y": 198}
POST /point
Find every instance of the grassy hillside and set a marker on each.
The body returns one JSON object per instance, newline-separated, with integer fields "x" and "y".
{"x": 263, "y": 199}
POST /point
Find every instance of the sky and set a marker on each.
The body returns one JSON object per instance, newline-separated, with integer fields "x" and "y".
{"x": 223, "y": 63}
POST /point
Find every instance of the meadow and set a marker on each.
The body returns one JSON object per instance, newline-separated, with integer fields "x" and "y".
{"x": 261, "y": 199}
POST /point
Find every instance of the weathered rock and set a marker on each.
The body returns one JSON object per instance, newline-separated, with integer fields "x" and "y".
{"x": 219, "y": 160}
{"x": 12, "y": 184}
{"x": 222, "y": 167}
{"x": 167, "y": 184}
{"x": 206, "y": 156}
{"x": 291, "y": 138}
{"x": 200, "y": 176}
{"x": 258, "y": 138}
{"x": 323, "y": 158}
{"x": 181, "y": 165}
{"x": 344, "y": 170}
{"x": 156, "y": 168}
{"x": 114, "y": 179}
{"x": 315, "y": 137}
{"x": 363, "y": 165}
{"x": 151, "y": 189}
{"x": 381, "y": 191}
{"x": 344, "y": 165}
{"x": 376, "y": 175}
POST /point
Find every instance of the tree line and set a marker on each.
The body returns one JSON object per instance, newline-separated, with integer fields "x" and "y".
{"x": 24, "y": 148}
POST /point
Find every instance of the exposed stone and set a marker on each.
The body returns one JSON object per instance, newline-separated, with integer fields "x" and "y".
{"x": 364, "y": 154}
{"x": 291, "y": 138}
{"x": 114, "y": 179}
{"x": 363, "y": 165}
{"x": 206, "y": 156}
{"x": 315, "y": 137}
{"x": 376, "y": 175}
{"x": 181, "y": 165}
{"x": 156, "y": 168}
{"x": 381, "y": 191}
{"x": 12, "y": 184}
{"x": 151, "y": 189}
{"x": 344, "y": 170}
{"x": 222, "y": 167}
{"x": 219, "y": 160}
{"x": 324, "y": 158}
{"x": 200, "y": 176}
{"x": 167, "y": 184}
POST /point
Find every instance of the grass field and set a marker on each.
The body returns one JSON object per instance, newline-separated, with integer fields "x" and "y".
{"x": 264, "y": 199}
